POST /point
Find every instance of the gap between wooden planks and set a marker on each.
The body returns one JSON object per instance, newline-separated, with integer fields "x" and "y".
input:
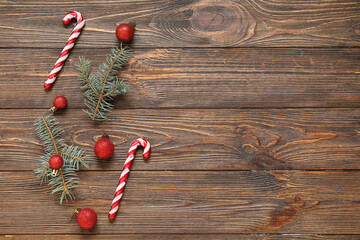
{"x": 185, "y": 236}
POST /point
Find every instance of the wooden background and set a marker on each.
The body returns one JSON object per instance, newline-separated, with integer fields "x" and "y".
{"x": 252, "y": 108}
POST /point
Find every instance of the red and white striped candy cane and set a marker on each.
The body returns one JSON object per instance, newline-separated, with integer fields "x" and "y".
{"x": 69, "y": 45}
{"x": 125, "y": 172}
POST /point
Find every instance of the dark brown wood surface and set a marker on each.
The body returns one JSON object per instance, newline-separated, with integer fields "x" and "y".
{"x": 251, "y": 107}
{"x": 199, "y": 139}
{"x": 186, "y": 23}
{"x": 191, "y": 202}
{"x": 184, "y": 236}
{"x": 206, "y": 78}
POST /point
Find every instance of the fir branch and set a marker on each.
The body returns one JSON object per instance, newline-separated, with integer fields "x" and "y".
{"x": 76, "y": 156}
{"x": 49, "y": 132}
{"x": 112, "y": 62}
{"x": 85, "y": 69}
{"x": 64, "y": 183}
{"x": 104, "y": 85}
{"x": 43, "y": 172}
{"x": 118, "y": 87}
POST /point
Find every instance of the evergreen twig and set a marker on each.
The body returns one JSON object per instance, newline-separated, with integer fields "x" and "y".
{"x": 50, "y": 134}
{"x": 104, "y": 85}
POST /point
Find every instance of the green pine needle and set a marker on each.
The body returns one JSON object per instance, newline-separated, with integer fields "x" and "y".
{"x": 74, "y": 156}
{"x": 66, "y": 180}
{"x": 104, "y": 86}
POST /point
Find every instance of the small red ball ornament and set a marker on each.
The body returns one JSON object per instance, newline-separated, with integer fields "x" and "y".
{"x": 60, "y": 102}
{"x": 104, "y": 148}
{"x": 125, "y": 32}
{"x": 55, "y": 162}
{"x": 86, "y": 218}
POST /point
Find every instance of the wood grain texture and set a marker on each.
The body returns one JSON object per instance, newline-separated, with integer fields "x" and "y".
{"x": 194, "y": 78}
{"x": 184, "y": 236}
{"x": 186, "y": 23}
{"x": 251, "y": 106}
{"x": 190, "y": 202}
{"x": 208, "y": 139}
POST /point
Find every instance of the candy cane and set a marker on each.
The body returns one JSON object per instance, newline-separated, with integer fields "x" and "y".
{"x": 125, "y": 172}
{"x": 69, "y": 45}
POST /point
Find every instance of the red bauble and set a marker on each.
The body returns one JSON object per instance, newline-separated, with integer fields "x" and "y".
{"x": 60, "y": 102}
{"x": 56, "y": 162}
{"x": 104, "y": 148}
{"x": 86, "y": 218}
{"x": 125, "y": 32}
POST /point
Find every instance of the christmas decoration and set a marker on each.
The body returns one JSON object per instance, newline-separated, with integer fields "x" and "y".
{"x": 69, "y": 45}
{"x": 86, "y": 217}
{"x": 105, "y": 85}
{"x": 125, "y": 173}
{"x": 50, "y": 134}
{"x": 125, "y": 32}
{"x": 55, "y": 162}
{"x": 60, "y": 102}
{"x": 104, "y": 148}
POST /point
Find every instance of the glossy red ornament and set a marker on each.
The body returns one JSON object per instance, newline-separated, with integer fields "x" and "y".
{"x": 125, "y": 32}
{"x": 104, "y": 148}
{"x": 60, "y": 102}
{"x": 55, "y": 162}
{"x": 86, "y": 218}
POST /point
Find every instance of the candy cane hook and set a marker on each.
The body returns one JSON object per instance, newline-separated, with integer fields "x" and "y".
{"x": 69, "y": 45}
{"x": 125, "y": 173}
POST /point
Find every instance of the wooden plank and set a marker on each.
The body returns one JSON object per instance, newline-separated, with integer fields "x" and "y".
{"x": 296, "y": 202}
{"x": 206, "y": 78}
{"x": 198, "y": 139}
{"x": 185, "y": 236}
{"x": 186, "y": 23}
